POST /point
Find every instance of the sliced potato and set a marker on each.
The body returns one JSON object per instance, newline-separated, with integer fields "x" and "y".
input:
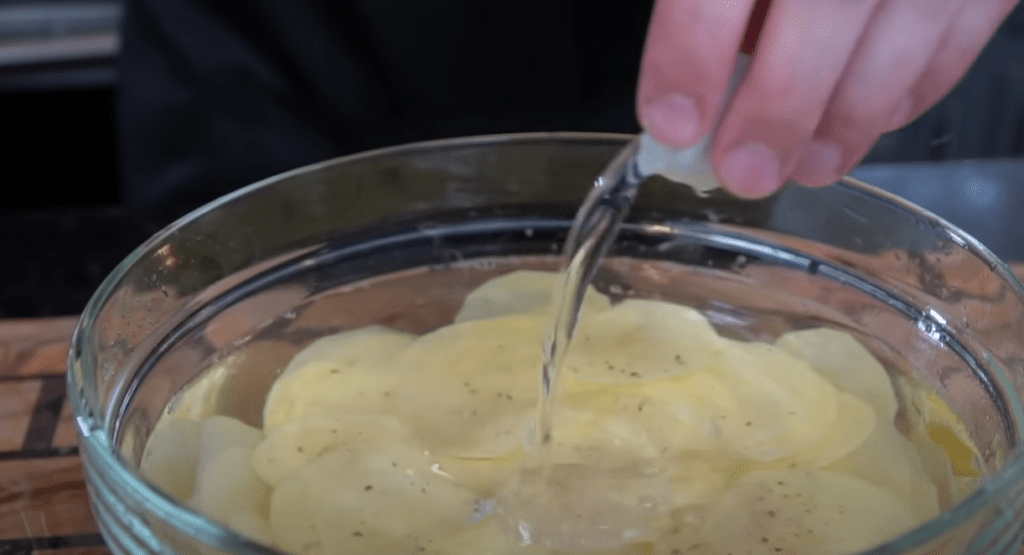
{"x": 198, "y": 400}
{"x": 371, "y": 345}
{"x": 465, "y": 375}
{"x": 781, "y": 406}
{"x": 220, "y": 433}
{"x": 638, "y": 340}
{"x": 344, "y": 372}
{"x": 652, "y": 420}
{"x": 294, "y": 444}
{"x": 854, "y": 423}
{"x": 855, "y": 420}
{"x": 489, "y": 536}
{"x": 695, "y": 483}
{"x": 295, "y": 503}
{"x": 171, "y": 457}
{"x": 668, "y": 440}
{"x": 842, "y": 360}
{"x": 380, "y": 492}
{"x": 496, "y": 438}
{"x": 804, "y": 512}
{"x": 251, "y": 525}
{"x": 230, "y": 492}
{"x": 891, "y": 462}
{"x": 522, "y": 292}
{"x": 680, "y": 544}
{"x": 941, "y": 438}
{"x": 225, "y": 484}
{"x": 484, "y": 476}
{"x": 389, "y": 497}
{"x": 586, "y": 508}
{"x": 684, "y": 535}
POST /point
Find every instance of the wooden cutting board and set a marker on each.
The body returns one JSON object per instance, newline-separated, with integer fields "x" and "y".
{"x": 44, "y": 508}
{"x": 43, "y": 502}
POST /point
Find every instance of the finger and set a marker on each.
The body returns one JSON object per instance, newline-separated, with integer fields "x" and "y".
{"x": 800, "y": 57}
{"x": 967, "y": 36}
{"x": 893, "y": 52}
{"x": 687, "y": 62}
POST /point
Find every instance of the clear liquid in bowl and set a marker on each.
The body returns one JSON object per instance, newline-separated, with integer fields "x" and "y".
{"x": 678, "y": 507}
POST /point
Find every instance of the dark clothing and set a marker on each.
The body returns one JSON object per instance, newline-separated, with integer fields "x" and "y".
{"x": 216, "y": 94}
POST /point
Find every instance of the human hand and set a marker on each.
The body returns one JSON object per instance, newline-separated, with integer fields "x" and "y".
{"x": 827, "y": 79}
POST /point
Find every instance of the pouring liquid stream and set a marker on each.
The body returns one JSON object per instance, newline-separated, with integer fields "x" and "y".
{"x": 586, "y": 505}
{"x": 579, "y": 506}
{"x": 594, "y": 229}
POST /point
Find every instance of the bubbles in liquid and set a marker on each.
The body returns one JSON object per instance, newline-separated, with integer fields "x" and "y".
{"x": 583, "y": 507}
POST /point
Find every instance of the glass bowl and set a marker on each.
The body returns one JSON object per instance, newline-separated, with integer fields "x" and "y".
{"x": 399, "y": 236}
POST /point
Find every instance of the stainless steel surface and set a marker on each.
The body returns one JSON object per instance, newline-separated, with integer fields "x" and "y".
{"x": 985, "y": 198}
{"x": 58, "y": 44}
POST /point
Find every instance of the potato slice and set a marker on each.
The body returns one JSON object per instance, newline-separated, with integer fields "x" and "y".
{"x": 489, "y": 536}
{"x": 381, "y": 492}
{"x": 680, "y": 544}
{"x": 842, "y": 360}
{"x": 804, "y": 512}
{"x": 226, "y": 488}
{"x": 251, "y": 525}
{"x": 695, "y": 483}
{"x": 651, "y": 420}
{"x": 891, "y": 462}
{"x": 295, "y": 503}
{"x": 221, "y": 433}
{"x": 940, "y": 437}
{"x": 295, "y": 444}
{"x": 855, "y": 421}
{"x": 638, "y": 340}
{"x": 521, "y": 292}
{"x": 344, "y": 372}
{"x": 392, "y": 496}
{"x": 171, "y": 457}
{"x": 781, "y": 406}
{"x": 588, "y": 431}
{"x": 198, "y": 400}
{"x": 465, "y": 375}
{"x": 586, "y": 508}
{"x": 371, "y": 345}
{"x": 484, "y": 476}
{"x": 684, "y": 535}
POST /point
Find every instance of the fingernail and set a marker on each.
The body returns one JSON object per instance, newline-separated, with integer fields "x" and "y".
{"x": 819, "y": 163}
{"x": 673, "y": 120}
{"x": 751, "y": 171}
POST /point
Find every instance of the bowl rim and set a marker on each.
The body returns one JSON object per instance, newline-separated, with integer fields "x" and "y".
{"x": 100, "y": 450}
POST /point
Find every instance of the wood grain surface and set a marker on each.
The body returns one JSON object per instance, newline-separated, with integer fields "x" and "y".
{"x": 44, "y": 507}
